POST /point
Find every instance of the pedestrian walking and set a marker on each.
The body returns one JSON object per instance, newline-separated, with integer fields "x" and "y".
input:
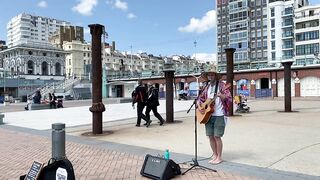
{"x": 139, "y": 96}
{"x": 153, "y": 103}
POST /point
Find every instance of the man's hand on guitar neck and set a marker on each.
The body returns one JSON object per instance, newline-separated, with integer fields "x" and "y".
{"x": 222, "y": 96}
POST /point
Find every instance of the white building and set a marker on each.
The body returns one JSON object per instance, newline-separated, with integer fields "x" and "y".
{"x": 77, "y": 58}
{"x": 25, "y": 28}
{"x": 34, "y": 61}
{"x": 307, "y": 31}
{"x": 280, "y": 31}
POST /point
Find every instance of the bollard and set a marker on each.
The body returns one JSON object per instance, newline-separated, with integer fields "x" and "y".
{"x": 58, "y": 141}
{"x": 1, "y": 118}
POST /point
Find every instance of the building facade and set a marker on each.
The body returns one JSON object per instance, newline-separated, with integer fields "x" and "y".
{"x": 281, "y": 31}
{"x": 34, "y": 62}
{"x": 307, "y": 31}
{"x": 223, "y": 31}
{"x": 26, "y": 28}
{"x": 66, "y": 33}
{"x": 77, "y": 58}
{"x": 261, "y": 31}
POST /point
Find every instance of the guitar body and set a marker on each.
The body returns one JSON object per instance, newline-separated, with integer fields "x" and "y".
{"x": 204, "y": 111}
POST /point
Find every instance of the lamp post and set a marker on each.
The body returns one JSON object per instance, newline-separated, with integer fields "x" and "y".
{"x": 195, "y": 53}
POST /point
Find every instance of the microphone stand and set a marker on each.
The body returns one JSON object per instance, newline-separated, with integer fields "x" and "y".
{"x": 195, "y": 159}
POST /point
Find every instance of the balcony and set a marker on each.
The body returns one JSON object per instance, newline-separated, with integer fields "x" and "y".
{"x": 287, "y": 24}
{"x": 287, "y": 46}
{"x": 315, "y": 15}
{"x": 287, "y": 13}
{"x": 287, "y": 57}
{"x": 287, "y": 36}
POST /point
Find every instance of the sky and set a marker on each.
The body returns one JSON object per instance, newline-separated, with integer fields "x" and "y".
{"x": 159, "y": 27}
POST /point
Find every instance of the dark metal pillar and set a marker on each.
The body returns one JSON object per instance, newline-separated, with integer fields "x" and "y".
{"x": 287, "y": 85}
{"x": 169, "y": 76}
{"x": 97, "y": 107}
{"x": 230, "y": 52}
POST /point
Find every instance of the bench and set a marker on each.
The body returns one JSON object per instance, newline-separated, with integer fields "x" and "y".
{"x": 1, "y": 118}
{"x": 38, "y": 106}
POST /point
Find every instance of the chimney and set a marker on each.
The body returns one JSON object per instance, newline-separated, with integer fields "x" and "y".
{"x": 113, "y": 45}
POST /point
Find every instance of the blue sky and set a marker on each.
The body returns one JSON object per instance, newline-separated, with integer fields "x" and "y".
{"x": 163, "y": 27}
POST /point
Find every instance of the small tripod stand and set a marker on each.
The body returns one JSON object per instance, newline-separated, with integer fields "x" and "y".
{"x": 195, "y": 159}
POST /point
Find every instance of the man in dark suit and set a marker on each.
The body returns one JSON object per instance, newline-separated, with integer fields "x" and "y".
{"x": 140, "y": 97}
{"x": 153, "y": 103}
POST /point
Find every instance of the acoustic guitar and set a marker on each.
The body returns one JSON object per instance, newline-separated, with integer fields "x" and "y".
{"x": 205, "y": 109}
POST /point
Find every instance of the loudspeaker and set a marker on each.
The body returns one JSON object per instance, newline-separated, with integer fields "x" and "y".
{"x": 159, "y": 168}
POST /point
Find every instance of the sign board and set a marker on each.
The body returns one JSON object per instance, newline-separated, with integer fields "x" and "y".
{"x": 34, "y": 171}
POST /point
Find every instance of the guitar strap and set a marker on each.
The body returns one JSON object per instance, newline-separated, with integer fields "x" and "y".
{"x": 216, "y": 88}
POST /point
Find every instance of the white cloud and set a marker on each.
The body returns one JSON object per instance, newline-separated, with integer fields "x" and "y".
{"x": 85, "y": 7}
{"x": 205, "y": 23}
{"x": 42, "y": 4}
{"x": 206, "y": 57}
{"x": 121, "y": 5}
{"x": 131, "y": 16}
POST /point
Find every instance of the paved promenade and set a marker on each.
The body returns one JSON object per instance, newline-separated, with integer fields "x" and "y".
{"x": 264, "y": 144}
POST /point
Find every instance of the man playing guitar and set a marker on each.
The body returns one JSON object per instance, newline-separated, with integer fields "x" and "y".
{"x": 221, "y": 101}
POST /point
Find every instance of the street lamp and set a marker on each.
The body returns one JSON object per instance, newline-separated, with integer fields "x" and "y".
{"x": 195, "y": 53}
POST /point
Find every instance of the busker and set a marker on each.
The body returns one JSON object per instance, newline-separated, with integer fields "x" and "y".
{"x": 222, "y": 101}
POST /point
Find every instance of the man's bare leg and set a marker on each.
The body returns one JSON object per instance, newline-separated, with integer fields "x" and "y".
{"x": 218, "y": 143}
{"x": 213, "y": 147}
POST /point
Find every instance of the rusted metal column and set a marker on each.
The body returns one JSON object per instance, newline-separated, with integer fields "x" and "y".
{"x": 287, "y": 85}
{"x": 169, "y": 75}
{"x": 97, "y": 107}
{"x": 230, "y": 52}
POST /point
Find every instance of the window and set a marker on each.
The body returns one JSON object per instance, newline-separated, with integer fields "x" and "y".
{"x": 273, "y": 34}
{"x": 272, "y": 23}
{"x": 265, "y": 43}
{"x": 273, "y": 56}
{"x": 307, "y": 36}
{"x": 58, "y": 69}
{"x": 70, "y": 62}
{"x": 259, "y": 33}
{"x": 258, "y": 23}
{"x": 307, "y": 49}
{"x": 44, "y": 68}
{"x": 30, "y": 67}
{"x": 272, "y": 12}
{"x": 259, "y": 44}
{"x": 273, "y": 45}
{"x": 264, "y": 11}
{"x": 252, "y": 24}
{"x": 258, "y": 13}
{"x": 311, "y": 13}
